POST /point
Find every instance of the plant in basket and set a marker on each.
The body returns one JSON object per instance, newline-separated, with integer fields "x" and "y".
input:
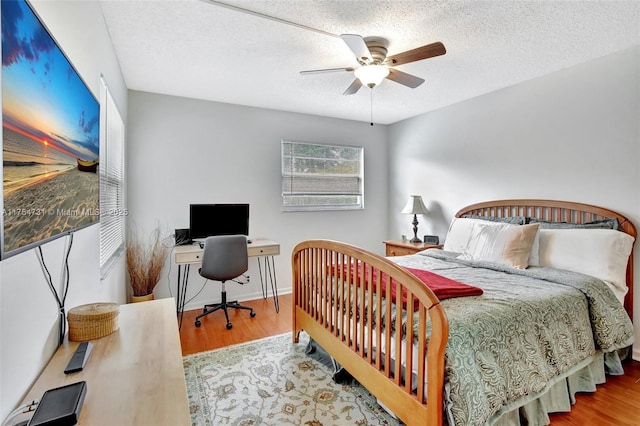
{"x": 145, "y": 261}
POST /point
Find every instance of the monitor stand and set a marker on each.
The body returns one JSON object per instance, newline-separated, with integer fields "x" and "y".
{"x": 199, "y": 241}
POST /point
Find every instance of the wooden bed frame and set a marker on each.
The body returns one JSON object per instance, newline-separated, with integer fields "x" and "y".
{"x": 333, "y": 301}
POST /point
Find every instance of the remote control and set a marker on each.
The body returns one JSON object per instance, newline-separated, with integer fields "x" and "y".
{"x": 79, "y": 358}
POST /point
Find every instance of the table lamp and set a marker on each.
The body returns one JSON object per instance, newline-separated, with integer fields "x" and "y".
{"x": 415, "y": 206}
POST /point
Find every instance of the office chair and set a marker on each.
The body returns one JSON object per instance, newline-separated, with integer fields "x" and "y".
{"x": 224, "y": 258}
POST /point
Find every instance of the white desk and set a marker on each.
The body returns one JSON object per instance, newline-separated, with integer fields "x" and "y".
{"x": 263, "y": 249}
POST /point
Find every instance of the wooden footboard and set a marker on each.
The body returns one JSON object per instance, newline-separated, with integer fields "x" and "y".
{"x": 343, "y": 298}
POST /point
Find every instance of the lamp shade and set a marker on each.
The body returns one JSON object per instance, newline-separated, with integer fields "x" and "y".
{"x": 371, "y": 75}
{"x": 415, "y": 205}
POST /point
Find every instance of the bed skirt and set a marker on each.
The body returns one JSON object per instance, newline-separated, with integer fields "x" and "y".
{"x": 560, "y": 395}
{"x": 532, "y": 410}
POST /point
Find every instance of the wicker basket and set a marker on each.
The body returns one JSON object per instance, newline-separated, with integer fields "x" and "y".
{"x": 92, "y": 321}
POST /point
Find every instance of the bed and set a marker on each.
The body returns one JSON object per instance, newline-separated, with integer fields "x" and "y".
{"x": 376, "y": 318}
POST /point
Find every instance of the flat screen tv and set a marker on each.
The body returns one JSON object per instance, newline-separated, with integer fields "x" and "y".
{"x": 206, "y": 220}
{"x": 50, "y": 136}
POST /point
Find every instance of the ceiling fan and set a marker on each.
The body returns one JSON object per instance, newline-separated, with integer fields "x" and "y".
{"x": 371, "y": 54}
{"x": 375, "y": 66}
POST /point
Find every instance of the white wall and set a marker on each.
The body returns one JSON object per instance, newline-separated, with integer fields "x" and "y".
{"x": 183, "y": 151}
{"x": 28, "y": 314}
{"x": 572, "y": 135}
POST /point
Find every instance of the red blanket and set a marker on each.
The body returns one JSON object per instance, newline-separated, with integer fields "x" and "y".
{"x": 442, "y": 287}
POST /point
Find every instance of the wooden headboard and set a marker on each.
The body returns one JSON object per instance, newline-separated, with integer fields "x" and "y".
{"x": 559, "y": 211}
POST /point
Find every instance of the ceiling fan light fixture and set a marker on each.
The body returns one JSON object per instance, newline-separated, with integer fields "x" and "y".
{"x": 371, "y": 75}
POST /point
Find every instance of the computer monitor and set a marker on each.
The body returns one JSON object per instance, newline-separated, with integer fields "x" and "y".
{"x": 206, "y": 220}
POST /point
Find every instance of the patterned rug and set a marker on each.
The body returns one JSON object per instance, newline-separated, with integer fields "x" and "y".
{"x": 272, "y": 382}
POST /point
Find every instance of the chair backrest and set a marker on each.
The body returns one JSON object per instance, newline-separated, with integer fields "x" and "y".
{"x": 224, "y": 257}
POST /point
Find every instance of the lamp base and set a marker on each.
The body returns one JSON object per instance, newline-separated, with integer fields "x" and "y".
{"x": 415, "y": 238}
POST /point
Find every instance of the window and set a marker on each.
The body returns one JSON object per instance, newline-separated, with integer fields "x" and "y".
{"x": 111, "y": 169}
{"x": 322, "y": 177}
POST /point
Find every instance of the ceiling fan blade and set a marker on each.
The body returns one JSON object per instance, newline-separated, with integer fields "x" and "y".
{"x": 405, "y": 79}
{"x": 326, "y": 70}
{"x": 417, "y": 54}
{"x": 353, "y": 88}
{"x": 358, "y": 46}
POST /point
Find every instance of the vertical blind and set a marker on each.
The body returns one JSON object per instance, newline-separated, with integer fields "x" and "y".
{"x": 111, "y": 168}
{"x": 322, "y": 177}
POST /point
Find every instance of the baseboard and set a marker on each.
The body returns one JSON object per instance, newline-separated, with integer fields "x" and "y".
{"x": 636, "y": 353}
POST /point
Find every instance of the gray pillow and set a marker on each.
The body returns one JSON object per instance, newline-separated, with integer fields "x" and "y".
{"x": 514, "y": 220}
{"x": 596, "y": 224}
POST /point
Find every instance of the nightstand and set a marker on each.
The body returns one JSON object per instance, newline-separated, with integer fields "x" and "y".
{"x": 403, "y": 248}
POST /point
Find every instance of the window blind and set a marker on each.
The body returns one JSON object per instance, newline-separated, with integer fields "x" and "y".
{"x": 111, "y": 169}
{"x": 321, "y": 177}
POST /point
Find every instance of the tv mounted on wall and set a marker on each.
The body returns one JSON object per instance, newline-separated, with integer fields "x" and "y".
{"x": 207, "y": 220}
{"x": 50, "y": 136}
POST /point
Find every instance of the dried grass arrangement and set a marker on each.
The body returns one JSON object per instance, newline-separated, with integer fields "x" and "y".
{"x": 145, "y": 261}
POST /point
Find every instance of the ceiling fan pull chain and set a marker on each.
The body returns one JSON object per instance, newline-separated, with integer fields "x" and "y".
{"x": 371, "y": 98}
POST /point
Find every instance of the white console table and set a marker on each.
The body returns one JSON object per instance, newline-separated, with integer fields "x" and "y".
{"x": 263, "y": 249}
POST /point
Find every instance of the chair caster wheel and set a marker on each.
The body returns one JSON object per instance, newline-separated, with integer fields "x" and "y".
{"x": 198, "y": 323}
{"x": 229, "y": 325}
{"x": 252, "y": 314}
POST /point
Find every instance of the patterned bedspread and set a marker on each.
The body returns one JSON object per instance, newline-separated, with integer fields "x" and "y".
{"x": 528, "y": 327}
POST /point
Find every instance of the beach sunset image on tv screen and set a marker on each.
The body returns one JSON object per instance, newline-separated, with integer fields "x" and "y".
{"x": 50, "y": 136}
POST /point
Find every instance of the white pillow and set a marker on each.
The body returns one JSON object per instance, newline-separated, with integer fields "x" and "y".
{"x": 534, "y": 258}
{"x": 502, "y": 243}
{"x": 459, "y": 233}
{"x": 601, "y": 253}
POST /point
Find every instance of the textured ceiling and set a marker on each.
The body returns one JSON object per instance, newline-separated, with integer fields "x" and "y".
{"x": 196, "y": 49}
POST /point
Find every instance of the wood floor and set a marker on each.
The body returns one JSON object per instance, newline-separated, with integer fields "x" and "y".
{"x": 212, "y": 334}
{"x": 616, "y": 403}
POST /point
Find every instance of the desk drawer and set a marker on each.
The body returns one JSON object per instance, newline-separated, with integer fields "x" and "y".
{"x": 193, "y": 257}
{"x": 264, "y": 250}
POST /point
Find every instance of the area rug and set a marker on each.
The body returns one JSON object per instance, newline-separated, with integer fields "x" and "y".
{"x": 272, "y": 382}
